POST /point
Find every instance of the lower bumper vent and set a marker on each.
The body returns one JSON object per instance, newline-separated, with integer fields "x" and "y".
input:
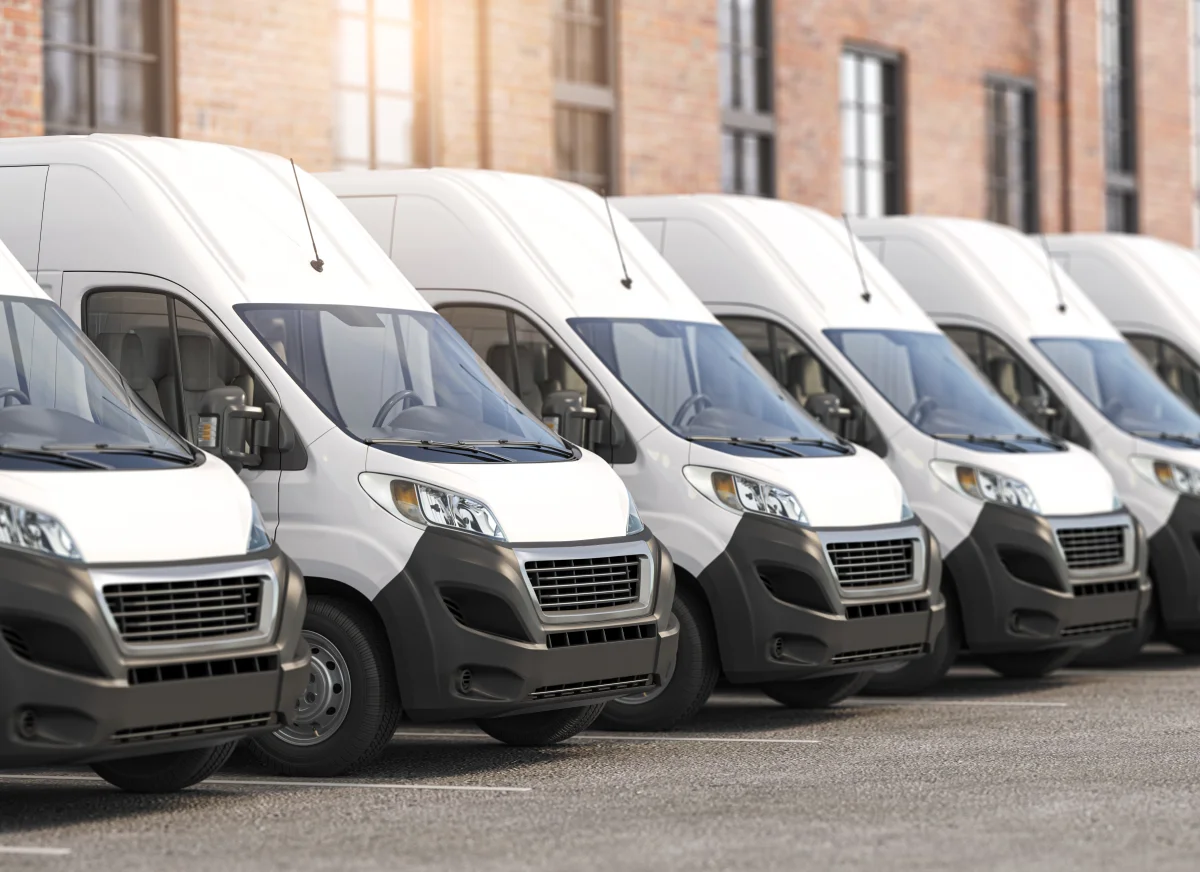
{"x": 601, "y": 635}
{"x": 16, "y": 642}
{"x": 1102, "y": 627}
{"x": 192, "y": 728}
{"x": 607, "y": 685}
{"x": 202, "y": 669}
{"x": 888, "y": 653}
{"x": 1100, "y": 588}
{"x": 882, "y": 610}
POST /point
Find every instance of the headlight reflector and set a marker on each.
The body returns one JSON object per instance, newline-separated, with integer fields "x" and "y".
{"x": 633, "y": 524}
{"x": 35, "y": 531}
{"x": 1173, "y": 476}
{"x": 740, "y": 493}
{"x": 423, "y": 504}
{"x": 259, "y": 540}
{"x": 985, "y": 485}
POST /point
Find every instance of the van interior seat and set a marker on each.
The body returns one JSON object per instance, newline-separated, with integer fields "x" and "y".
{"x": 1003, "y": 374}
{"x": 126, "y": 353}
{"x": 200, "y": 375}
{"x": 531, "y": 371}
{"x": 804, "y": 377}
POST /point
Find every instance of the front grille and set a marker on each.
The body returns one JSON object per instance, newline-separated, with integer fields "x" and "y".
{"x": 585, "y": 583}
{"x": 203, "y": 669}
{"x": 872, "y": 564}
{"x": 1092, "y": 547}
{"x": 601, "y": 635}
{"x": 629, "y": 682}
{"x": 155, "y": 612}
{"x": 192, "y": 728}
{"x": 881, "y": 610}
{"x": 879, "y": 653}
{"x": 1102, "y": 627}
{"x": 1100, "y": 588}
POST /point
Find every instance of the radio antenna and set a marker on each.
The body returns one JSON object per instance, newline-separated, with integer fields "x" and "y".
{"x": 626, "y": 282}
{"x": 862, "y": 276}
{"x": 1062, "y": 302}
{"x": 316, "y": 263}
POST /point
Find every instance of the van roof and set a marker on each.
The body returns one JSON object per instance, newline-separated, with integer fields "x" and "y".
{"x": 987, "y": 273}
{"x": 546, "y": 242}
{"x": 197, "y": 212}
{"x": 15, "y": 280}
{"x": 777, "y": 255}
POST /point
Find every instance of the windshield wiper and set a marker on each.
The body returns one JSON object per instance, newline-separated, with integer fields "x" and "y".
{"x": 537, "y": 446}
{"x": 1037, "y": 440}
{"x": 50, "y": 455}
{"x": 999, "y": 441}
{"x": 464, "y": 447}
{"x": 820, "y": 443}
{"x": 757, "y": 443}
{"x": 1192, "y": 441}
{"x": 110, "y": 448}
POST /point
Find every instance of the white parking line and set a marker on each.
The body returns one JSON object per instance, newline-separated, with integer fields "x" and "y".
{"x": 35, "y": 852}
{"x": 593, "y": 737}
{"x": 983, "y": 702}
{"x": 280, "y": 782}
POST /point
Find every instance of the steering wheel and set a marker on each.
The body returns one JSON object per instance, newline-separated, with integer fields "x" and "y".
{"x": 15, "y": 394}
{"x": 694, "y": 400}
{"x": 393, "y": 401}
{"x": 920, "y": 409}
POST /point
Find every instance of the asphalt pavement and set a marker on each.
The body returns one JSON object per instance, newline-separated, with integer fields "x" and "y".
{"x": 1085, "y": 770}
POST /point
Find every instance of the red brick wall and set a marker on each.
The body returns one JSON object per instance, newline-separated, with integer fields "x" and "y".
{"x": 521, "y": 99}
{"x": 20, "y": 67}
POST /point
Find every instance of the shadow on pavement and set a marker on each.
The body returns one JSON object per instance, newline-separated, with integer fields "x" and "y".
{"x": 1156, "y": 657}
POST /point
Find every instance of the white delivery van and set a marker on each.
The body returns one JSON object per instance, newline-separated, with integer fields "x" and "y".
{"x": 1039, "y": 556}
{"x": 1051, "y": 354}
{"x": 797, "y": 553}
{"x": 147, "y": 622}
{"x": 462, "y": 561}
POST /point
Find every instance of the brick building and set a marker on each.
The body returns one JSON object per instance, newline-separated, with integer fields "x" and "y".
{"x": 1049, "y": 114}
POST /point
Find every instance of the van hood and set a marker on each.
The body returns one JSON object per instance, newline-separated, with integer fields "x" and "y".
{"x": 142, "y": 516}
{"x": 1071, "y": 482}
{"x": 564, "y": 501}
{"x": 855, "y": 490}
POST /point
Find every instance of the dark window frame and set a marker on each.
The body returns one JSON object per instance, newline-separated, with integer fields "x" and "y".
{"x": 575, "y": 99}
{"x": 1118, "y": 94}
{"x": 1160, "y": 345}
{"x": 1012, "y": 191}
{"x": 748, "y": 127}
{"x": 893, "y": 111}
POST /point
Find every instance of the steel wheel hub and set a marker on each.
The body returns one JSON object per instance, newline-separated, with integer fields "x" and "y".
{"x": 323, "y": 706}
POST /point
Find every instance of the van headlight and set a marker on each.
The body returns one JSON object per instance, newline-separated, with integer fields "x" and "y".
{"x": 259, "y": 540}
{"x": 633, "y": 523}
{"x": 740, "y": 493}
{"x": 423, "y": 504}
{"x": 31, "y": 530}
{"x": 985, "y": 485}
{"x": 1173, "y": 476}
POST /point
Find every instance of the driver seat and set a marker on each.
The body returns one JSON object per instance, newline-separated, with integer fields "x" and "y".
{"x": 125, "y": 352}
{"x": 804, "y": 377}
{"x": 1003, "y": 374}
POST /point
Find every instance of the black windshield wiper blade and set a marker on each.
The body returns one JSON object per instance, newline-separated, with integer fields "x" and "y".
{"x": 998, "y": 441}
{"x": 537, "y": 446}
{"x": 54, "y": 456}
{"x": 464, "y": 447}
{"x": 820, "y": 443}
{"x": 116, "y": 448}
{"x": 757, "y": 443}
{"x": 1193, "y": 441}
{"x": 1037, "y": 440}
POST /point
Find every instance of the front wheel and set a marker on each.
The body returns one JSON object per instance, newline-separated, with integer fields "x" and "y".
{"x": 924, "y": 672}
{"x": 164, "y": 773}
{"x": 814, "y": 693}
{"x": 541, "y": 728}
{"x": 350, "y": 709}
{"x": 1029, "y": 664}
{"x": 686, "y": 688}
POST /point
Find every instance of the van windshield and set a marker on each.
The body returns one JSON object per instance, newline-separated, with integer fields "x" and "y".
{"x": 403, "y": 381}
{"x": 929, "y": 381}
{"x": 64, "y": 406}
{"x": 703, "y": 383}
{"x": 1118, "y": 382}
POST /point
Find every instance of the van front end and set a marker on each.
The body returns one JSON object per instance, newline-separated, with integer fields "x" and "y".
{"x": 102, "y": 662}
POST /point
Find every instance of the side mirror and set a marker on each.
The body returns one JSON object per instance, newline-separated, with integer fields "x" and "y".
{"x": 225, "y": 427}
{"x": 565, "y": 414}
{"x": 828, "y": 409}
{"x": 274, "y": 431}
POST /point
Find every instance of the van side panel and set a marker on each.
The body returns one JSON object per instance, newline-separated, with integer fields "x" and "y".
{"x": 377, "y": 214}
{"x": 22, "y": 190}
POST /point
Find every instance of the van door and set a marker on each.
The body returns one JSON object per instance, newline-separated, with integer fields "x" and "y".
{"x": 171, "y": 351}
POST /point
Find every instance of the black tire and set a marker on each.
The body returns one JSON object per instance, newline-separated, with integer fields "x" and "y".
{"x": 541, "y": 728}
{"x": 374, "y": 708}
{"x": 1029, "y": 664}
{"x": 1121, "y": 649}
{"x": 924, "y": 672}
{"x": 165, "y": 773}
{"x": 815, "y": 693}
{"x": 687, "y": 688}
{"x": 1187, "y": 641}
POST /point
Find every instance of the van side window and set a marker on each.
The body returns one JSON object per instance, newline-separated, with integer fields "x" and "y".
{"x": 794, "y": 366}
{"x": 1173, "y": 365}
{"x": 1017, "y": 383}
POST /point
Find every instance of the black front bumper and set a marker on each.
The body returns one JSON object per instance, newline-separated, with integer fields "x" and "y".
{"x": 461, "y": 609}
{"x": 1016, "y": 592}
{"x": 781, "y": 615}
{"x": 69, "y": 694}
{"x": 1175, "y": 565}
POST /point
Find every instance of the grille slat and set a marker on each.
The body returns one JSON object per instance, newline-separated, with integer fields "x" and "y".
{"x": 878, "y": 653}
{"x": 601, "y": 635}
{"x": 872, "y": 564}
{"x": 586, "y": 583}
{"x": 1101, "y": 588}
{"x": 191, "y": 728}
{"x": 629, "y": 682}
{"x": 169, "y": 611}
{"x": 1102, "y": 627}
{"x": 1092, "y": 547}
{"x": 879, "y": 610}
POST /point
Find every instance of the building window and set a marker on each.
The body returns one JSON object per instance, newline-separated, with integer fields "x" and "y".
{"x": 1120, "y": 131}
{"x": 1012, "y": 154}
{"x": 585, "y": 100}
{"x": 747, "y": 119}
{"x": 377, "y": 105}
{"x": 872, "y": 170}
{"x": 106, "y": 67}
